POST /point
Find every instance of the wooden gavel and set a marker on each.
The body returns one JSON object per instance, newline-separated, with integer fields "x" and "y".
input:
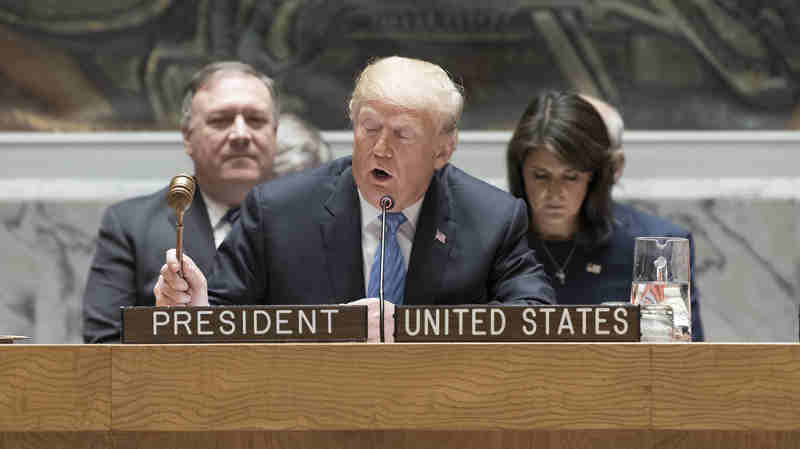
{"x": 179, "y": 197}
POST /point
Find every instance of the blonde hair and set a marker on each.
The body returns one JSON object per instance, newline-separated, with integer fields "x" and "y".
{"x": 411, "y": 84}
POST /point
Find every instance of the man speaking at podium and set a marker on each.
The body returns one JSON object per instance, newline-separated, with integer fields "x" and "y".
{"x": 314, "y": 238}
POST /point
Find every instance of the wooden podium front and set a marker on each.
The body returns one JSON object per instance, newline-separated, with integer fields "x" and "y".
{"x": 469, "y": 395}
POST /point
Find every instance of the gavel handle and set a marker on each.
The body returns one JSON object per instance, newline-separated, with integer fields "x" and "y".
{"x": 179, "y": 247}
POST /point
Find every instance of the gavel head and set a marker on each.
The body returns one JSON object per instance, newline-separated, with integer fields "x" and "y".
{"x": 181, "y": 193}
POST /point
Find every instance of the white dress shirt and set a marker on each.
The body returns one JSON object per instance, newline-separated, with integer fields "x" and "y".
{"x": 371, "y": 233}
{"x": 216, "y": 211}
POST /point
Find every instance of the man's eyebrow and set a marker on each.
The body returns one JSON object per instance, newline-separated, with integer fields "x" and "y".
{"x": 220, "y": 110}
{"x": 255, "y": 109}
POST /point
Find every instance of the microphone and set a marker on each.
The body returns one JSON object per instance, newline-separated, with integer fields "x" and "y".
{"x": 179, "y": 197}
{"x": 386, "y": 203}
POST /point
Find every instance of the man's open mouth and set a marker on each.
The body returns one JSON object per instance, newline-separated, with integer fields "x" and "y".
{"x": 380, "y": 175}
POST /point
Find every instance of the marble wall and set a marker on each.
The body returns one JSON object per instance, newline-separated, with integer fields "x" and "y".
{"x": 47, "y": 248}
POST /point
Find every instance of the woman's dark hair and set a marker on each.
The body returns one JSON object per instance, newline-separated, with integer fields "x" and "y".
{"x": 571, "y": 128}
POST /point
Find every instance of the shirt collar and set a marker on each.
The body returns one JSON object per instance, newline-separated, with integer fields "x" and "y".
{"x": 370, "y": 213}
{"x": 216, "y": 210}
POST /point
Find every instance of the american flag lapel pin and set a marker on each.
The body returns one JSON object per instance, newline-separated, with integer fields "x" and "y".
{"x": 441, "y": 237}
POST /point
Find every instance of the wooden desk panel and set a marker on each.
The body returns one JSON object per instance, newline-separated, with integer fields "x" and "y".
{"x": 357, "y": 386}
{"x": 557, "y": 396}
{"x": 726, "y": 387}
{"x": 53, "y": 388}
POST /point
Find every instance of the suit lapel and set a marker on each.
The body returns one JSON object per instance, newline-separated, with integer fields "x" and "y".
{"x": 434, "y": 241}
{"x": 198, "y": 237}
{"x": 341, "y": 235}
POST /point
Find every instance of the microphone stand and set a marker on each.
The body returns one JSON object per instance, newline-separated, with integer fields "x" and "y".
{"x": 386, "y": 203}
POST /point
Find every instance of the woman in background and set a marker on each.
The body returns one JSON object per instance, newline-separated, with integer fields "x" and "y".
{"x": 563, "y": 159}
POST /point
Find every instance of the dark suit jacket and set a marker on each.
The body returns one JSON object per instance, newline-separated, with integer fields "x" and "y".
{"x": 298, "y": 241}
{"x": 133, "y": 239}
{"x": 615, "y": 260}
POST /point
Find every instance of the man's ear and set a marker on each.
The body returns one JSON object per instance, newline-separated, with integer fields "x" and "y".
{"x": 446, "y": 145}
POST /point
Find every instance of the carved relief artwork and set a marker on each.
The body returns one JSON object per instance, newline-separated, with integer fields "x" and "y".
{"x": 90, "y": 65}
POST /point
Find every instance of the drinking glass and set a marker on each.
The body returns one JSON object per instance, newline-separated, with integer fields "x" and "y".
{"x": 661, "y": 275}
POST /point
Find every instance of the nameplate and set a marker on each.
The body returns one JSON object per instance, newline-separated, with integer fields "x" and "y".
{"x": 244, "y": 324}
{"x": 574, "y": 323}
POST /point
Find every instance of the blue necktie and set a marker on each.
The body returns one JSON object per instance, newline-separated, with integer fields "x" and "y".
{"x": 394, "y": 270}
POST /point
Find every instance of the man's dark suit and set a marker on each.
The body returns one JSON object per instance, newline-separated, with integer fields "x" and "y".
{"x": 133, "y": 239}
{"x": 298, "y": 241}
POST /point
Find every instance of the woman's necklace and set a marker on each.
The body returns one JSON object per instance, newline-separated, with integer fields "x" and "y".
{"x": 561, "y": 270}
